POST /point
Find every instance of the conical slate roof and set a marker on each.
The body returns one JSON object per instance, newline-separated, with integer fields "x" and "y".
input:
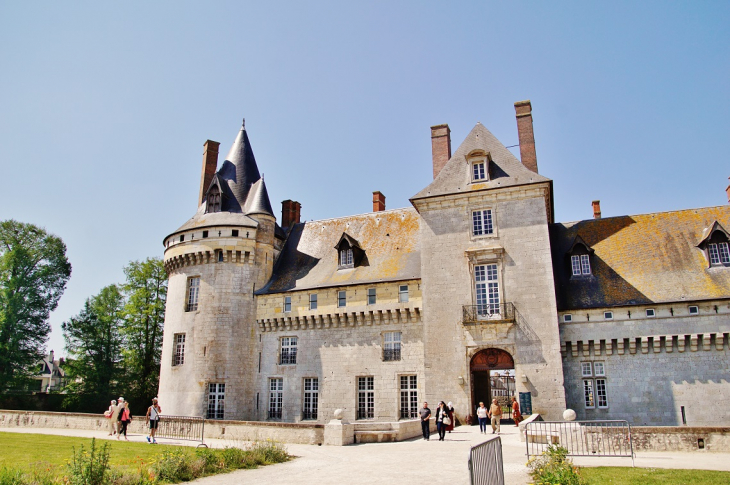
{"x": 257, "y": 201}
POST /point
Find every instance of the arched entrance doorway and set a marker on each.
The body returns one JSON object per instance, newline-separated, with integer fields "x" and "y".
{"x": 492, "y": 377}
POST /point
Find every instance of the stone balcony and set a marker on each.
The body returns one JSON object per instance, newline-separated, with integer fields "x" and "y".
{"x": 488, "y": 314}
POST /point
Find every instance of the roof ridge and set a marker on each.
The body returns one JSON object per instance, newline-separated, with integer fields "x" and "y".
{"x": 648, "y": 214}
{"x": 361, "y": 215}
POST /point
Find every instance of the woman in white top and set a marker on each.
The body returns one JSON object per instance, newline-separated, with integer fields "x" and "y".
{"x": 482, "y": 415}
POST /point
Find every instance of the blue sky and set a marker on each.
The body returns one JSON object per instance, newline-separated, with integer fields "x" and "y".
{"x": 104, "y": 108}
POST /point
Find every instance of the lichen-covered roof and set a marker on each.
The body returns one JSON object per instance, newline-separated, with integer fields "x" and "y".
{"x": 505, "y": 170}
{"x": 390, "y": 240}
{"x": 640, "y": 259}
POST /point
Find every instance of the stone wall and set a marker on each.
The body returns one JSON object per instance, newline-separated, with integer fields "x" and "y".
{"x": 681, "y": 438}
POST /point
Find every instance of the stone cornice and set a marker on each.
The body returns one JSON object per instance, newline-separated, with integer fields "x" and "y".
{"x": 342, "y": 320}
{"x": 647, "y": 344}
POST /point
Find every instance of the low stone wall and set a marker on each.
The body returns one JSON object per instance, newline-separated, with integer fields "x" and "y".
{"x": 681, "y": 438}
{"x": 299, "y": 433}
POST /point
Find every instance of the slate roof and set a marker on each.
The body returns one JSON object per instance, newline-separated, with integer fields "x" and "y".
{"x": 640, "y": 259}
{"x": 505, "y": 170}
{"x": 309, "y": 259}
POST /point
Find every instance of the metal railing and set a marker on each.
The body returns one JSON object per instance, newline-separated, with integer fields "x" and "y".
{"x": 581, "y": 438}
{"x": 182, "y": 428}
{"x": 489, "y": 313}
{"x": 485, "y": 463}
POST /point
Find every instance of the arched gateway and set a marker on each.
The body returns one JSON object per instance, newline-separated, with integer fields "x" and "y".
{"x": 492, "y": 376}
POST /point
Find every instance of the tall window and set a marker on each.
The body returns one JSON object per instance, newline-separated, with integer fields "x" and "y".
{"x": 581, "y": 264}
{"x": 214, "y": 200}
{"x": 341, "y": 299}
{"x": 287, "y": 303}
{"x": 403, "y": 293}
{"x": 594, "y": 390}
{"x": 311, "y": 398}
{"x": 193, "y": 291}
{"x": 216, "y": 400}
{"x": 487, "y": 289}
{"x": 408, "y": 397}
{"x": 313, "y": 301}
{"x": 288, "y": 350}
{"x": 391, "y": 346}
{"x": 719, "y": 253}
{"x": 481, "y": 222}
{"x": 365, "y": 397}
{"x": 588, "y": 393}
{"x": 371, "y": 296}
{"x": 346, "y": 257}
{"x": 276, "y": 397}
{"x": 478, "y": 172}
{"x": 178, "y": 357}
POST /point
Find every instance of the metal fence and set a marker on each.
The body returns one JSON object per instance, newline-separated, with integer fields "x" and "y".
{"x": 581, "y": 438}
{"x": 182, "y": 428}
{"x": 485, "y": 463}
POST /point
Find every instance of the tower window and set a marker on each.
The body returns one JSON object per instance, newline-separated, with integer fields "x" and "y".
{"x": 234, "y": 233}
{"x": 205, "y": 234}
{"x": 216, "y": 400}
{"x": 178, "y": 357}
{"x": 214, "y": 200}
{"x": 193, "y": 291}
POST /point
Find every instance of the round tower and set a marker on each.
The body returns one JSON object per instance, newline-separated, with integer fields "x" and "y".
{"x": 215, "y": 262}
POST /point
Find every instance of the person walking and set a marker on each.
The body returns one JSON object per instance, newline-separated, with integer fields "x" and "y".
{"x": 495, "y": 414}
{"x": 126, "y": 418}
{"x": 450, "y": 410}
{"x": 442, "y": 420}
{"x": 114, "y": 419}
{"x": 425, "y": 415}
{"x": 153, "y": 418}
{"x": 516, "y": 415}
{"x": 482, "y": 414}
{"x": 108, "y": 414}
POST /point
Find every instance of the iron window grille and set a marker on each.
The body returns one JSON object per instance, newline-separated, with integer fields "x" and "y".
{"x": 365, "y": 397}
{"x": 392, "y": 345}
{"x": 276, "y": 397}
{"x": 288, "y": 350}
{"x": 216, "y": 400}
{"x": 403, "y": 294}
{"x": 193, "y": 291}
{"x": 408, "y": 397}
{"x": 481, "y": 222}
{"x": 311, "y": 398}
{"x": 178, "y": 357}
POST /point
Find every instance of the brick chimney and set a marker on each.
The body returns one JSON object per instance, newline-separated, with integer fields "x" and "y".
{"x": 523, "y": 110}
{"x": 210, "y": 162}
{"x": 290, "y": 212}
{"x": 378, "y": 201}
{"x": 596, "y": 209}
{"x": 440, "y": 147}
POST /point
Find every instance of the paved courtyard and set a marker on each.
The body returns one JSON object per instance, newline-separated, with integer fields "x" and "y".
{"x": 415, "y": 461}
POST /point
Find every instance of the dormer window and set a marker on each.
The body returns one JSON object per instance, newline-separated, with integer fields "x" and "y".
{"x": 715, "y": 246}
{"x": 479, "y": 163}
{"x": 214, "y": 200}
{"x": 346, "y": 257}
{"x": 349, "y": 252}
{"x": 478, "y": 171}
{"x": 719, "y": 253}
{"x": 580, "y": 258}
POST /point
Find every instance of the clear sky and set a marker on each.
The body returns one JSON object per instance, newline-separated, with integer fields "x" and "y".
{"x": 105, "y": 106}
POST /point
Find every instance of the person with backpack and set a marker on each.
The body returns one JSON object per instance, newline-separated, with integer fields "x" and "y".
{"x": 153, "y": 418}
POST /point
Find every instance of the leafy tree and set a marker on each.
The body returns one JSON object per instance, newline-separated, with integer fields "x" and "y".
{"x": 146, "y": 290}
{"x": 94, "y": 343}
{"x": 33, "y": 275}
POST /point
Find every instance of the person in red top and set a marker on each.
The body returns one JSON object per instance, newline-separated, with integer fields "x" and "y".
{"x": 516, "y": 411}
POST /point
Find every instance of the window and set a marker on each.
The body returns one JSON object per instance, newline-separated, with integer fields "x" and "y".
{"x": 346, "y": 260}
{"x": 650, "y": 312}
{"x": 371, "y": 296}
{"x": 216, "y": 399}
{"x": 594, "y": 390}
{"x": 487, "y": 289}
{"x": 220, "y": 255}
{"x": 481, "y": 222}
{"x": 178, "y": 356}
{"x": 288, "y": 350}
{"x": 586, "y": 369}
{"x": 567, "y": 318}
{"x": 403, "y": 293}
{"x": 311, "y": 398}
{"x": 478, "y": 172}
{"x": 276, "y": 397}
{"x": 182, "y": 238}
{"x": 719, "y": 253}
{"x": 287, "y": 303}
{"x": 214, "y": 200}
{"x": 234, "y": 233}
{"x": 694, "y": 310}
{"x": 341, "y": 299}
{"x": 581, "y": 264}
{"x": 599, "y": 369}
{"x": 608, "y": 315}
{"x": 205, "y": 234}
{"x": 408, "y": 397}
{"x": 365, "y": 397}
{"x": 391, "y": 346}
{"x": 588, "y": 393}
{"x": 601, "y": 396}
{"x": 193, "y": 291}
{"x": 313, "y": 301}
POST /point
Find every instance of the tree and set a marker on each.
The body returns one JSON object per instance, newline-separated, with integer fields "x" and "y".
{"x": 33, "y": 275}
{"x": 94, "y": 343}
{"x": 146, "y": 291}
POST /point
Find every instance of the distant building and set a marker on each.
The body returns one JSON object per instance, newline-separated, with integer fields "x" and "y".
{"x": 619, "y": 317}
{"x": 50, "y": 376}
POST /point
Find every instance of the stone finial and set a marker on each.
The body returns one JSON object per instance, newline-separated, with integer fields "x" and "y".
{"x": 338, "y": 414}
{"x": 569, "y": 415}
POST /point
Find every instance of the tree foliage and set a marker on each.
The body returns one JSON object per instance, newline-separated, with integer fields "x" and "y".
{"x": 33, "y": 275}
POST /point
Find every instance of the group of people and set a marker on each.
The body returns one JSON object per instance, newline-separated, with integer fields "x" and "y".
{"x": 444, "y": 420}
{"x": 120, "y": 416}
{"x": 494, "y": 414}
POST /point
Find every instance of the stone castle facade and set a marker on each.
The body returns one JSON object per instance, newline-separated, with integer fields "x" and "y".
{"x": 474, "y": 292}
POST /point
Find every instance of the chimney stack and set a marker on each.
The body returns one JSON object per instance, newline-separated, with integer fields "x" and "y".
{"x": 378, "y": 201}
{"x": 523, "y": 111}
{"x": 290, "y": 212}
{"x": 596, "y": 209}
{"x": 210, "y": 162}
{"x": 440, "y": 147}
{"x": 51, "y": 356}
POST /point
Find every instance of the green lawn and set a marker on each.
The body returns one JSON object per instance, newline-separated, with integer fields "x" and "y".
{"x": 651, "y": 476}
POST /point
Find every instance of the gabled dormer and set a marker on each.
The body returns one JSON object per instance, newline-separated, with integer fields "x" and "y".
{"x": 580, "y": 258}
{"x": 479, "y": 161}
{"x": 715, "y": 245}
{"x": 215, "y": 196}
{"x": 349, "y": 252}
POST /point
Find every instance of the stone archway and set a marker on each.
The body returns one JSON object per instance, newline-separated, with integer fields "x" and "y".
{"x": 483, "y": 382}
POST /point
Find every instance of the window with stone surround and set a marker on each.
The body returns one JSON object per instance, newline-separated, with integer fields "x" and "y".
{"x": 486, "y": 286}
{"x": 288, "y": 354}
{"x": 478, "y": 171}
{"x": 216, "y": 400}
{"x": 193, "y": 291}
{"x": 287, "y": 304}
{"x": 595, "y": 394}
{"x": 276, "y": 397}
{"x": 311, "y": 398}
{"x": 312, "y": 301}
{"x": 588, "y": 396}
{"x": 372, "y": 297}
{"x": 391, "y": 346}
{"x": 481, "y": 222}
{"x": 408, "y": 397}
{"x": 365, "y": 397}
{"x": 341, "y": 299}
{"x": 403, "y": 293}
{"x": 178, "y": 356}
{"x": 715, "y": 245}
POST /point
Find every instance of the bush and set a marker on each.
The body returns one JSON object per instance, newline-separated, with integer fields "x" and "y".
{"x": 174, "y": 466}
{"x": 212, "y": 463}
{"x": 11, "y": 476}
{"x": 89, "y": 468}
{"x": 268, "y": 453}
{"x": 554, "y": 468}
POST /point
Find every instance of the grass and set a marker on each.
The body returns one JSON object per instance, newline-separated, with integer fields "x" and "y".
{"x": 651, "y": 476}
